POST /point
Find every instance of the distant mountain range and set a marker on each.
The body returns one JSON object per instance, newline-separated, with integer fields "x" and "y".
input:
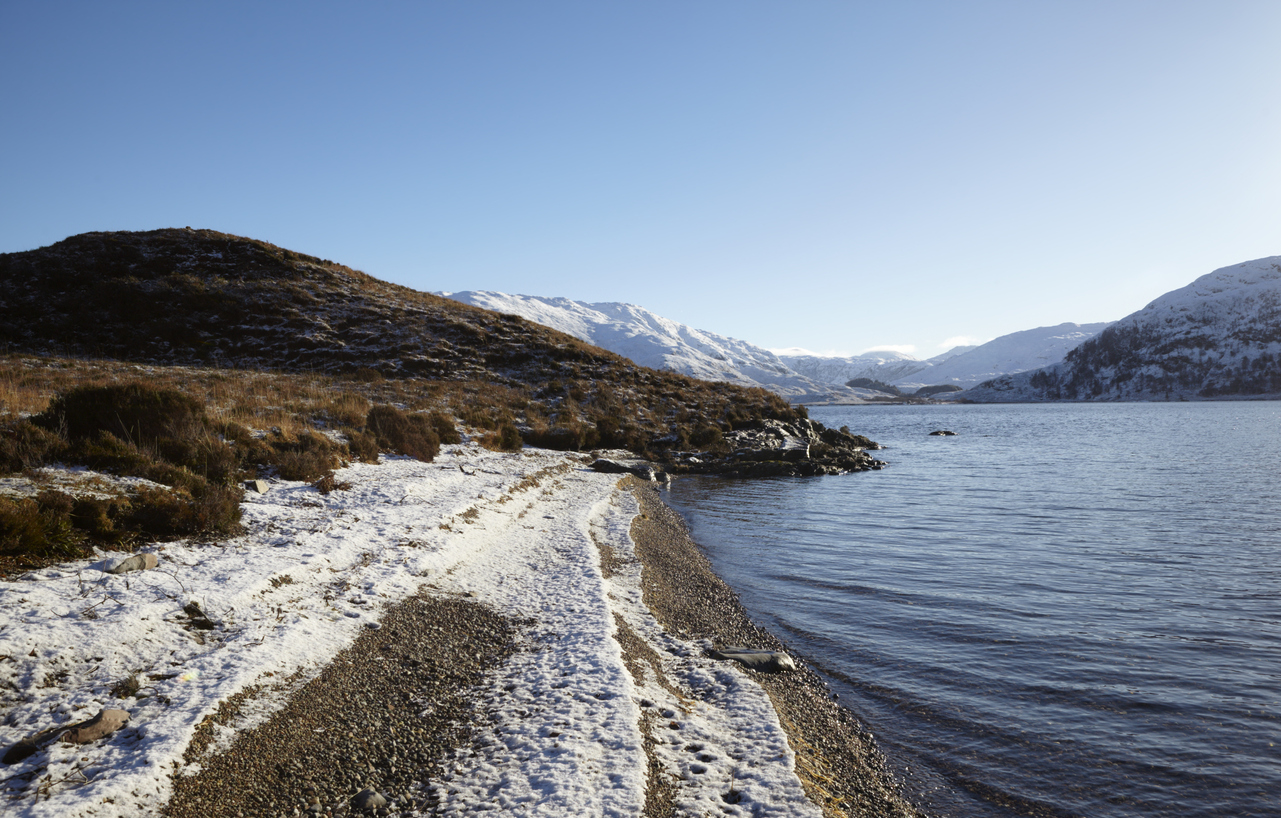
{"x": 654, "y": 341}
{"x": 651, "y": 340}
{"x": 1220, "y": 336}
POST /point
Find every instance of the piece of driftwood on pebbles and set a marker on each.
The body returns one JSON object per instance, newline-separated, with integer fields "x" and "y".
{"x": 138, "y": 562}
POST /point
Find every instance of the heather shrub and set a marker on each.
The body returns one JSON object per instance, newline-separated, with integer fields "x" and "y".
{"x": 706, "y": 436}
{"x": 444, "y": 427}
{"x": 401, "y": 433}
{"x": 100, "y": 518}
{"x": 24, "y": 446}
{"x": 29, "y": 528}
{"x": 568, "y": 434}
{"x": 133, "y": 411}
{"x": 207, "y": 509}
{"x": 307, "y": 456}
{"x": 504, "y": 439}
{"x": 362, "y": 447}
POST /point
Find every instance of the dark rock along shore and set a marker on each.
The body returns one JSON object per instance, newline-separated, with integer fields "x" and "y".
{"x": 775, "y": 448}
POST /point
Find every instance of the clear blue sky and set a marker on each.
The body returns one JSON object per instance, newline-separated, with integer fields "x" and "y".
{"x": 835, "y": 176}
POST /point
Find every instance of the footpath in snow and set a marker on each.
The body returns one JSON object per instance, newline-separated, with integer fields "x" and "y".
{"x": 571, "y": 729}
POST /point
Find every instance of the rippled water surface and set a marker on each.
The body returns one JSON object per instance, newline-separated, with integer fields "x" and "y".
{"x": 1063, "y": 610}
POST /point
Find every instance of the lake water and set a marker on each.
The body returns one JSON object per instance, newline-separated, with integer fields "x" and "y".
{"x": 1065, "y": 610}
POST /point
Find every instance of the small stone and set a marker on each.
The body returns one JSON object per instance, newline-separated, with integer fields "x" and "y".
{"x": 368, "y": 799}
{"x": 257, "y": 486}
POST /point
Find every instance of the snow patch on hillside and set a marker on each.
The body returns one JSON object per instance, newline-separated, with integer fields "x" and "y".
{"x": 1017, "y": 352}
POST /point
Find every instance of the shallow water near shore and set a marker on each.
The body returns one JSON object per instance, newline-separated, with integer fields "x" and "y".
{"x": 1063, "y": 610}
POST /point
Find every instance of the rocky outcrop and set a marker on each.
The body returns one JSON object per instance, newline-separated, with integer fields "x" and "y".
{"x": 774, "y": 448}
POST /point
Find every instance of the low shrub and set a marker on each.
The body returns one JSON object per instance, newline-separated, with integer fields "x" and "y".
{"x": 208, "y": 509}
{"x": 706, "y": 436}
{"x": 567, "y": 435}
{"x": 134, "y": 411}
{"x": 306, "y": 456}
{"x": 100, "y": 519}
{"x": 30, "y": 528}
{"x": 361, "y": 446}
{"x": 402, "y": 433}
{"x": 505, "y": 439}
{"x": 444, "y": 427}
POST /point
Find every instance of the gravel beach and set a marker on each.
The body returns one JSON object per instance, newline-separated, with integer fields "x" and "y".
{"x": 396, "y": 711}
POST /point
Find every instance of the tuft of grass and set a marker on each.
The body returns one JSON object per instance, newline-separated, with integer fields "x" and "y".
{"x": 127, "y": 687}
{"x": 506, "y": 438}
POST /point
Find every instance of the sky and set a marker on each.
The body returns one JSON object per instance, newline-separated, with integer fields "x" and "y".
{"x": 834, "y": 176}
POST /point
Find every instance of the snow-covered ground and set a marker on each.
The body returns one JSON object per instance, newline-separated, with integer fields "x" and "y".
{"x": 521, "y": 532}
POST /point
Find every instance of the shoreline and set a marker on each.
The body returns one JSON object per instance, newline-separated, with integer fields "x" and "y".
{"x": 842, "y": 770}
{"x": 542, "y": 647}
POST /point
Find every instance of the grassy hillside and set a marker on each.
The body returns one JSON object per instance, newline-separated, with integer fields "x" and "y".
{"x": 198, "y": 298}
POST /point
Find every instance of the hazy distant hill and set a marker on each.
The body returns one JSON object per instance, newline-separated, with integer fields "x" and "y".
{"x": 1219, "y": 336}
{"x": 960, "y": 366}
{"x": 654, "y": 341}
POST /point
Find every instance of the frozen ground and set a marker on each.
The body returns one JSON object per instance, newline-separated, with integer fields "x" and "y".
{"x": 521, "y": 532}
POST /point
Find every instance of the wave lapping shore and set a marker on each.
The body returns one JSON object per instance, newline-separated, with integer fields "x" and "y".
{"x": 508, "y": 632}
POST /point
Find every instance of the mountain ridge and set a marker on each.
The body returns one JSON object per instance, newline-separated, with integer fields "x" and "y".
{"x": 661, "y": 343}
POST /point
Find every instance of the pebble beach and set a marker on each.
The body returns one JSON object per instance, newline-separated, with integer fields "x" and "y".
{"x": 507, "y": 633}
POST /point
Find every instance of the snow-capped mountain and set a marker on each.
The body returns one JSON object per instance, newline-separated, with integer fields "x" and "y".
{"x": 1218, "y": 336}
{"x": 660, "y": 343}
{"x": 1007, "y": 355}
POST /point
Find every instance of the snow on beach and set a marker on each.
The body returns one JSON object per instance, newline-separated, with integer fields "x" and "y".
{"x": 522, "y": 533}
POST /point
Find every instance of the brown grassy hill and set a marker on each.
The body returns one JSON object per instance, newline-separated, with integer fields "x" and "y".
{"x": 211, "y": 300}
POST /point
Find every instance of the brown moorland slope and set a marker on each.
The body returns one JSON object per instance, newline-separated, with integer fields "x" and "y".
{"x": 199, "y": 298}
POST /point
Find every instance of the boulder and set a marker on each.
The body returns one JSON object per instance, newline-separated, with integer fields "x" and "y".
{"x": 764, "y": 661}
{"x": 258, "y": 486}
{"x": 138, "y": 562}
